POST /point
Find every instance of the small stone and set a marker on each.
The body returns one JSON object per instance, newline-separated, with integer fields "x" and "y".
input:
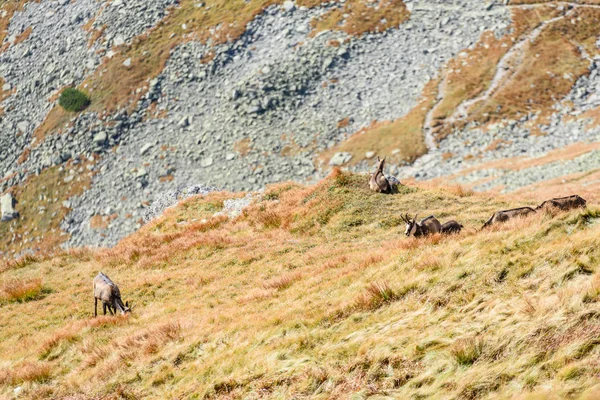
{"x": 100, "y": 138}
{"x": 127, "y": 63}
{"x": 141, "y": 173}
{"x": 6, "y": 87}
{"x": 340, "y": 159}
{"x": 145, "y": 148}
{"x": 184, "y": 122}
{"x": 119, "y": 41}
{"x": 288, "y": 6}
{"x": 207, "y": 162}
{"x": 22, "y": 126}
{"x": 230, "y": 156}
{"x": 369, "y": 155}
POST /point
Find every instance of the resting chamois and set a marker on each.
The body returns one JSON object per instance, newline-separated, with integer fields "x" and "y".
{"x": 451, "y": 227}
{"x": 564, "y": 203}
{"x": 106, "y": 291}
{"x": 427, "y": 226}
{"x": 378, "y": 182}
{"x": 505, "y": 215}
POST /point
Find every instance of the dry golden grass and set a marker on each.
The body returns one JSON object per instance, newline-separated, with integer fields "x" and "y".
{"x": 17, "y": 290}
{"x": 557, "y": 53}
{"x": 334, "y": 302}
{"x": 243, "y": 146}
{"x": 357, "y": 17}
{"x": 4, "y": 94}
{"x": 25, "y": 372}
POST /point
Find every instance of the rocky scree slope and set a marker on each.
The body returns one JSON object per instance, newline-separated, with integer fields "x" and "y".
{"x": 183, "y": 95}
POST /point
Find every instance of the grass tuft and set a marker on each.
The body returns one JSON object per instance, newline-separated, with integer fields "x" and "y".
{"x": 467, "y": 351}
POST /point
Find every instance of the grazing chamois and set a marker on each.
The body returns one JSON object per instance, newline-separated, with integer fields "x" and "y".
{"x": 378, "y": 182}
{"x": 451, "y": 227}
{"x": 505, "y": 215}
{"x": 564, "y": 203}
{"x": 427, "y": 226}
{"x": 106, "y": 291}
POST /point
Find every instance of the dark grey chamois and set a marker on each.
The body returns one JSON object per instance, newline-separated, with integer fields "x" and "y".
{"x": 106, "y": 291}
{"x": 451, "y": 227}
{"x": 564, "y": 203}
{"x": 505, "y": 215}
{"x": 378, "y": 182}
{"x": 427, "y": 226}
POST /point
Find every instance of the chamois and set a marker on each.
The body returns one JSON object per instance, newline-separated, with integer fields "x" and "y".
{"x": 451, "y": 227}
{"x": 564, "y": 203}
{"x": 505, "y": 215}
{"x": 106, "y": 291}
{"x": 378, "y": 182}
{"x": 427, "y": 226}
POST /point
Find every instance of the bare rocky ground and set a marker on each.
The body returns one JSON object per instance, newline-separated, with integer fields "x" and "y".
{"x": 276, "y": 90}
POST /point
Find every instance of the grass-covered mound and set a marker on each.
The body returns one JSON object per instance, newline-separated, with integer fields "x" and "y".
{"x": 314, "y": 292}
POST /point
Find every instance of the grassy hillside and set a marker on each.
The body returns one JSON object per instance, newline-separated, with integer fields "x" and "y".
{"x": 314, "y": 292}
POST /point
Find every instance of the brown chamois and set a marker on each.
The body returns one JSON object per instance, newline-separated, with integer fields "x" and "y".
{"x": 378, "y": 182}
{"x": 505, "y": 215}
{"x": 427, "y": 226}
{"x": 451, "y": 227}
{"x": 107, "y": 292}
{"x": 564, "y": 203}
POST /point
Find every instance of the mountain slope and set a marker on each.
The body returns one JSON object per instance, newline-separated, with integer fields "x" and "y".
{"x": 314, "y": 292}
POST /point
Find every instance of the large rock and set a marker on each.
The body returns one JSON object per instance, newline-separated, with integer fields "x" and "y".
{"x": 7, "y": 205}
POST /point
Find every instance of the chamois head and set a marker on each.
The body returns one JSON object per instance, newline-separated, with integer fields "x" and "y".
{"x": 411, "y": 225}
{"x": 380, "y": 164}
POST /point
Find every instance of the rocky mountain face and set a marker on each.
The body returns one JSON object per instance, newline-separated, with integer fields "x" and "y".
{"x": 237, "y": 94}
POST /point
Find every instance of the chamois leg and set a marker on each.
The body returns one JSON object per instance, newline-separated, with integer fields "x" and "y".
{"x": 104, "y": 307}
{"x": 110, "y": 308}
{"x": 95, "y": 307}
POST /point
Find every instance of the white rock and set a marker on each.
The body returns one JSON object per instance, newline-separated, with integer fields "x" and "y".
{"x": 7, "y": 205}
{"x": 340, "y": 159}
{"x": 369, "y": 155}
{"x": 184, "y": 122}
{"x": 288, "y": 6}
{"x": 127, "y": 62}
{"x": 22, "y": 126}
{"x": 145, "y": 148}
{"x": 6, "y": 87}
{"x": 207, "y": 162}
{"x": 100, "y": 138}
{"x": 119, "y": 41}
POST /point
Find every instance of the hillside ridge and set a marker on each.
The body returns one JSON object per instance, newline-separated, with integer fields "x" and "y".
{"x": 184, "y": 94}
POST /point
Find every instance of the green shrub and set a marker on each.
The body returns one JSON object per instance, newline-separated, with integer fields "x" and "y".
{"x": 73, "y": 100}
